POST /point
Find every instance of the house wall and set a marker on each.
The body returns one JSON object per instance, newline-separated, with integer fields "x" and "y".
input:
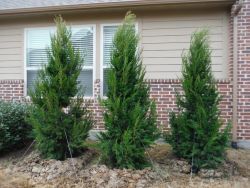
{"x": 164, "y": 35}
{"x": 243, "y": 69}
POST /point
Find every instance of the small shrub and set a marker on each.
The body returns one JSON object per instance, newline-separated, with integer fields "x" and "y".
{"x": 195, "y": 129}
{"x": 130, "y": 117}
{"x": 60, "y": 118}
{"x": 14, "y": 130}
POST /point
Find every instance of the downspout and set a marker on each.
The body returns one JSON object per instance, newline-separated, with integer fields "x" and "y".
{"x": 235, "y": 71}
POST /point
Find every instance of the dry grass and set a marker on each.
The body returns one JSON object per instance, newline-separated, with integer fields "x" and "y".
{"x": 9, "y": 181}
{"x": 203, "y": 184}
{"x": 162, "y": 154}
{"x": 241, "y": 158}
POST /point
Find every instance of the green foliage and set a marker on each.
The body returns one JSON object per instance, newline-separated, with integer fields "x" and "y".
{"x": 130, "y": 116}
{"x": 195, "y": 129}
{"x": 14, "y": 131}
{"x": 60, "y": 116}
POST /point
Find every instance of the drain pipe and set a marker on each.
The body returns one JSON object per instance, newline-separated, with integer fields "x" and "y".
{"x": 235, "y": 72}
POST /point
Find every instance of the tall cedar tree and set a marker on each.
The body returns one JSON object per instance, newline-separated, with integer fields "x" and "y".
{"x": 60, "y": 119}
{"x": 196, "y": 127}
{"x": 130, "y": 116}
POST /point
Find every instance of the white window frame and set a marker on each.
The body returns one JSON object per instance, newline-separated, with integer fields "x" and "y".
{"x": 93, "y": 67}
{"x": 102, "y": 66}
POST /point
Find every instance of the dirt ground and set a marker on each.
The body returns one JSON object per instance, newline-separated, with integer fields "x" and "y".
{"x": 237, "y": 168}
{"x": 238, "y": 177}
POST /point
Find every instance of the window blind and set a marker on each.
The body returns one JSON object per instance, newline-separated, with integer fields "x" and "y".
{"x": 108, "y": 35}
{"x": 38, "y": 42}
{"x": 82, "y": 40}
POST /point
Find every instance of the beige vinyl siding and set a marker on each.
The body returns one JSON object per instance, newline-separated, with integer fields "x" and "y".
{"x": 165, "y": 37}
{"x": 164, "y": 34}
{"x": 11, "y": 52}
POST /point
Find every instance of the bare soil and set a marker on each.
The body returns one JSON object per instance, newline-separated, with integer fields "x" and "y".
{"x": 166, "y": 172}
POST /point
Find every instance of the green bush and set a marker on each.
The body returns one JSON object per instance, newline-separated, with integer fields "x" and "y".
{"x": 14, "y": 131}
{"x": 195, "y": 129}
{"x": 130, "y": 116}
{"x": 60, "y": 119}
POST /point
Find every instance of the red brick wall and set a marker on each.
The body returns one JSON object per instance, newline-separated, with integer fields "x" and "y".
{"x": 11, "y": 90}
{"x": 162, "y": 91}
{"x": 244, "y": 72}
{"x": 96, "y": 108}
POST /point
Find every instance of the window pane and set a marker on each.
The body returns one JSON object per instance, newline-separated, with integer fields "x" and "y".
{"x": 105, "y": 81}
{"x": 31, "y": 77}
{"x": 38, "y": 41}
{"x": 82, "y": 39}
{"x": 85, "y": 80}
{"x": 108, "y": 35}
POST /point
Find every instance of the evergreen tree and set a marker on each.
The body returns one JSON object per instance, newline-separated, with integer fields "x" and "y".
{"x": 60, "y": 119}
{"x": 196, "y": 127}
{"x": 130, "y": 116}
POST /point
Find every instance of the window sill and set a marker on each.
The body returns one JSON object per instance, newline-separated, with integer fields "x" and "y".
{"x": 28, "y": 98}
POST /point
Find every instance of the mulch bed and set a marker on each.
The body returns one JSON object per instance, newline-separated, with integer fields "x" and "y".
{"x": 86, "y": 171}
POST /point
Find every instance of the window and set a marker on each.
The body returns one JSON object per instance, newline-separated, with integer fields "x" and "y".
{"x": 37, "y": 43}
{"x": 108, "y": 35}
